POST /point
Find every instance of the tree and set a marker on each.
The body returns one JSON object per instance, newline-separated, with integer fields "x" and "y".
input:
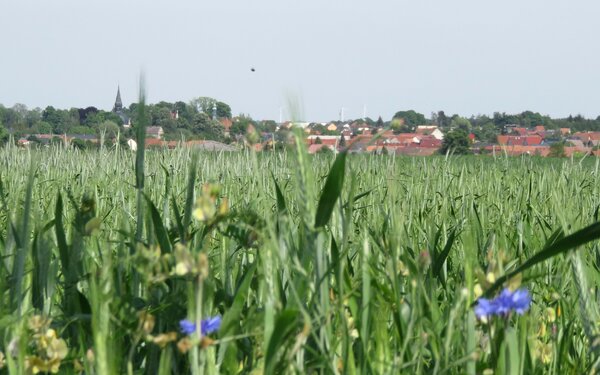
{"x": 398, "y": 126}
{"x": 461, "y": 123}
{"x": 223, "y": 110}
{"x": 410, "y": 117}
{"x": 557, "y": 150}
{"x": 206, "y": 128}
{"x": 442, "y": 120}
{"x": 457, "y": 142}
{"x": 240, "y": 125}
{"x": 268, "y": 126}
{"x": 184, "y": 111}
{"x": 3, "y": 134}
{"x": 379, "y": 123}
{"x": 486, "y": 132}
{"x": 60, "y": 120}
{"x": 206, "y": 105}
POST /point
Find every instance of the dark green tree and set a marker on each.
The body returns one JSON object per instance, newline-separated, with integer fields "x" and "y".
{"x": 410, "y": 117}
{"x": 3, "y": 134}
{"x": 442, "y": 120}
{"x": 457, "y": 142}
{"x": 206, "y": 105}
{"x": 240, "y": 125}
{"x": 206, "y": 128}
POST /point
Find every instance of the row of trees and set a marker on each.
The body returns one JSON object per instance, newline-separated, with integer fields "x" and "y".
{"x": 195, "y": 119}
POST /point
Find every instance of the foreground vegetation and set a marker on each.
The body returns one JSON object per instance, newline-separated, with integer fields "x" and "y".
{"x": 359, "y": 264}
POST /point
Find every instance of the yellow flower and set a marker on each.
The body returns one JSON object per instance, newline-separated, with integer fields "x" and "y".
{"x": 205, "y": 209}
{"x": 57, "y": 349}
{"x": 402, "y": 268}
{"x": 542, "y": 331}
{"x": 37, "y": 323}
{"x": 550, "y": 315}
{"x": 477, "y": 290}
{"x": 543, "y": 352}
{"x": 182, "y": 268}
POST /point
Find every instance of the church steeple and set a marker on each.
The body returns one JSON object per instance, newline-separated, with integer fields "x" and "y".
{"x": 118, "y": 103}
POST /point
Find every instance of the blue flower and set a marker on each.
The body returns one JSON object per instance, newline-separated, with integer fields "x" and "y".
{"x": 187, "y": 327}
{"x": 210, "y": 325}
{"x": 504, "y": 303}
{"x": 207, "y": 326}
{"x": 484, "y": 307}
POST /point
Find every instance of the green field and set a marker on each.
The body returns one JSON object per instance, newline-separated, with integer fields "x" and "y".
{"x": 373, "y": 268}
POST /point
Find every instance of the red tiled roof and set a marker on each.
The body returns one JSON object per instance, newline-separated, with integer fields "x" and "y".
{"x": 517, "y": 140}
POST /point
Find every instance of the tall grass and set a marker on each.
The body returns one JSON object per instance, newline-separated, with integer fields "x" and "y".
{"x": 355, "y": 264}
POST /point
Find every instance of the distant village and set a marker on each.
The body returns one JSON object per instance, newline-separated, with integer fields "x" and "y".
{"x": 358, "y": 137}
{"x": 219, "y": 131}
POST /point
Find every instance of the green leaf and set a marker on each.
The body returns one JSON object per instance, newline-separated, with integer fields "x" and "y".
{"x": 441, "y": 258}
{"x": 61, "y": 237}
{"x": 231, "y": 318}
{"x": 189, "y": 199}
{"x": 285, "y": 325}
{"x": 281, "y": 207}
{"x": 159, "y": 229}
{"x": 332, "y": 190}
{"x": 512, "y": 347}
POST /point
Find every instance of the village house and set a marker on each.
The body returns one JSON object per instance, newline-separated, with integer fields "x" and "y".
{"x": 430, "y": 130}
{"x": 518, "y": 140}
{"x": 155, "y": 132}
{"x": 330, "y": 140}
{"x": 588, "y": 138}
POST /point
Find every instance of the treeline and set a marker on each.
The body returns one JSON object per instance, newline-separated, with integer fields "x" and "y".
{"x": 193, "y": 120}
{"x": 196, "y": 120}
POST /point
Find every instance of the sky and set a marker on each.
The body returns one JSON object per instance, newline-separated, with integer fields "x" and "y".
{"x": 311, "y": 57}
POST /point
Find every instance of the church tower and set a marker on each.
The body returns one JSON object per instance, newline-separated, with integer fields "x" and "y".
{"x": 118, "y": 108}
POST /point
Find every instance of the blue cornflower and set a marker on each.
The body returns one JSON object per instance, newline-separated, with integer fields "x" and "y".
{"x": 187, "y": 327}
{"x": 210, "y": 325}
{"x": 207, "y": 326}
{"x": 504, "y": 303}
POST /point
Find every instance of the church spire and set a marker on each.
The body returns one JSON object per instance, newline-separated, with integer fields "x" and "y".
{"x": 118, "y": 103}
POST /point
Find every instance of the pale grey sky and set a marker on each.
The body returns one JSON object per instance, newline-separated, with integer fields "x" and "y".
{"x": 460, "y": 56}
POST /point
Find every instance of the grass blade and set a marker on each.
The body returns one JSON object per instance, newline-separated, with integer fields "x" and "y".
{"x": 331, "y": 191}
